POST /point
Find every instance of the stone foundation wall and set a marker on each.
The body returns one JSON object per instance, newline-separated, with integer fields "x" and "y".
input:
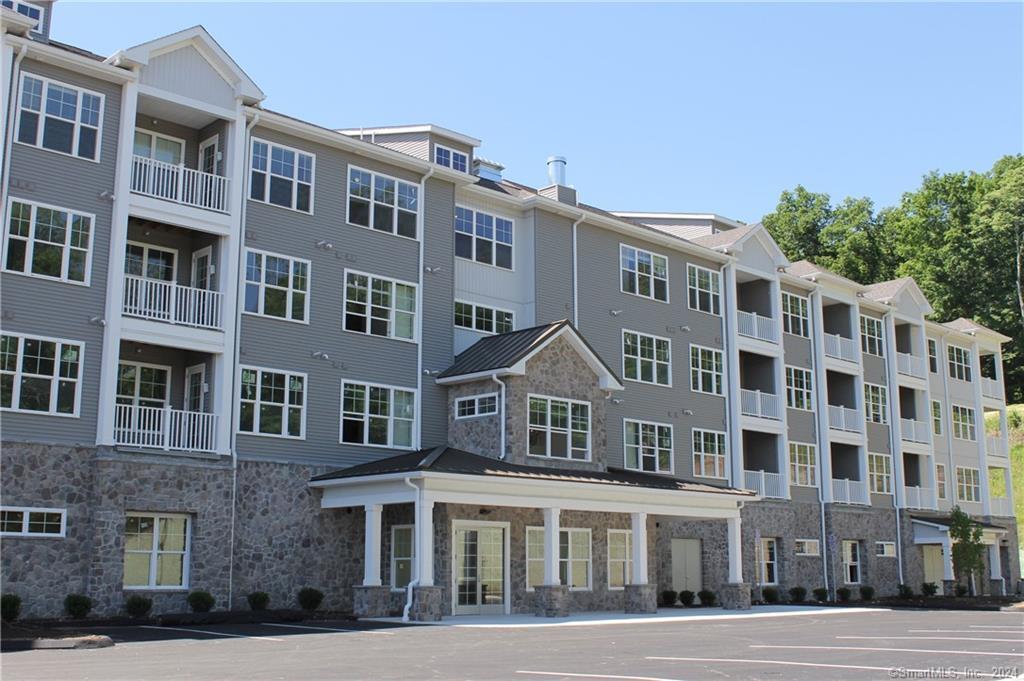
{"x": 866, "y": 525}
{"x": 784, "y": 521}
{"x": 714, "y": 542}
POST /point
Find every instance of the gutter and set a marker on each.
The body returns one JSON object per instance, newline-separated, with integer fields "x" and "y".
{"x": 823, "y": 439}
{"x": 421, "y": 210}
{"x": 494, "y": 377}
{"x": 415, "y": 552}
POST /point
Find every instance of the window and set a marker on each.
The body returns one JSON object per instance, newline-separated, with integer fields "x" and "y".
{"x": 272, "y": 403}
{"x": 377, "y": 415}
{"x": 959, "y": 363}
{"x": 149, "y": 262}
{"x": 769, "y": 566}
{"x": 799, "y": 389}
{"x": 807, "y": 547}
{"x": 40, "y": 375}
{"x": 161, "y": 148}
{"x": 963, "y": 423}
{"x": 573, "y": 558}
{"x": 940, "y": 480}
{"x": 876, "y": 403}
{"x": 880, "y": 473}
{"x": 60, "y": 117}
{"x": 281, "y": 176}
{"x": 383, "y": 203}
{"x": 379, "y": 306}
{"x": 708, "y": 453}
{"x": 403, "y": 550}
{"x": 156, "y": 549}
{"x": 449, "y": 158}
{"x": 483, "y": 319}
{"x": 885, "y": 549}
{"x": 28, "y": 9}
{"x": 643, "y": 273}
{"x": 871, "y": 335}
{"x": 559, "y": 428}
{"x": 646, "y": 359}
{"x": 937, "y": 417}
{"x": 46, "y": 241}
{"x": 795, "y": 317}
{"x": 851, "y": 562}
{"x": 17, "y": 521}
{"x": 483, "y": 237}
{"x": 534, "y": 557}
{"x": 648, "y": 446}
{"x": 706, "y": 373}
{"x": 968, "y": 484}
{"x": 477, "y": 405}
{"x": 620, "y": 558}
{"x": 703, "y": 288}
{"x": 277, "y": 286}
{"x": 143, "y": 385}
{"x": 933, "y": 357}
{"x": 803, "y": 464}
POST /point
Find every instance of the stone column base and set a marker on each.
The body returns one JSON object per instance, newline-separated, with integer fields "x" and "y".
{"x": 641, "y": 598}
{"x": 551, "y": 600}
{"x": 997, "y": 587}
{"x": 735, "y": 596}
{"x": 949, "y": 587}
{"x": 427, "y": 604}
{"x": 371, "y": 601}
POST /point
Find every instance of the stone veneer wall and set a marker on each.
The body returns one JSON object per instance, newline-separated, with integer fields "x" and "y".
{"x": 784, "y": 521}
{"x": 478, "y": 434}
{"x": 714, "y": 550}
{"x": 866, "y": 525}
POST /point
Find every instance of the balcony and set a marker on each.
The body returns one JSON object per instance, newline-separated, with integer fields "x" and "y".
{"x": 909, "y": 365}
{"x": 840, "y": 347}
{"x": 844, "y": 418}
{"x": 995, "y": 445}
{"x": 764, "y": 483}
{"x": 993, "y": 388}
{"x": 1000, "y": 507}
{"x": 921, "y": 498}
{"x": 164, "y": 428}
{"x": 763, "y": 405}
{"x": 179, "y": 184}
{"x": 753, "y": 325}
{"x": 167, "y": 301}
{"x": 914, "y": 431}
{"x": 845, "y": 491}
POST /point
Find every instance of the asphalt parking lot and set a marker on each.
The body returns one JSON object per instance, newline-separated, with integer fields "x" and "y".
{"x": 833, "y": 644}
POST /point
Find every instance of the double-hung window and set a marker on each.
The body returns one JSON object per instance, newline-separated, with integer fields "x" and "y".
{"x": 281, "y": 176}
{"x": 383, "y": 203}
{"x": 46, "y": 241}
{"x": 449, "y": 158}
{"x": 963, "y": 423}
{"x": 871, "y": 335}
{"x": 851, "y": 561}
{"x": 769, "y": 561}
{"x": 482, "y": 318}
{"x": 646, "y": 358}
{"x": 403, "y": 552}
{"x": 483, "y": 237}
{"x": 936, "y": 417}
{"x": 379, "y": 306}
{"x": 708, "y": 453}
{"x": 272, "y": 403}
{"x": 277, "y": 286}
{"x": 574, "y": 558}
{"x": 60, "y": 117}
{"x": 620, "y": 558}
{"x": 704, "y": 289}
{"x": 876, "y": 403}
{"x": 940, "y": 480}
{"x": 40, "y": 375}
{"x": 17, "y": 521}
{"x": 143, "y": 385}
{"x": 959, "y": 363}
{"x": 377, "y": 415}
{"x": 648, "y": 446}
{"x": 880, "y": 473}
{"x": 933, "y": 356}
{"x": 795, "y": 317}
{"x": 803, "y": 464}
{"x": 706, "y": 370}
{"x": 643, "y": 273}
{"x": 968, "y": 484}
{"x": 156, "y": 551}
{"x": 476, "y": 405}
{"x": 559, "y": 428}
{"x": 799, "y": 389}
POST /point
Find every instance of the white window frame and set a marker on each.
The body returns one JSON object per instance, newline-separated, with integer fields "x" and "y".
{"x": 698, "y": 372}
{"x": 41, "y": 113}
{"x": 66, "y": 248}
{"x": 933, "y": 355}
{"x": 968, "y": 484}
{"x": 797, "y": 395}
{"x": 55, "y": 378}
{"x": 495, "y": 311}
{"x": 764, "y": 563}
{"x": 26, "y": 512}
{"x": 880, "y": 473}
{"x": 871, "y": 336}
{"x": 876, "y": 403}
{"x": 568, "y": 531}
{"x": 796, "y": 316}
{"x": 803, "y": 547}
{"x": 285, "y": 406}
{"x": 146, "y": 250}
{"x": 15, "y": 4}
{"x": 803, "y": 473}
{"x": 155, "y": 552}
{"x": 959, "y": 360}
{"x": 290, "y": 290}
{"x": 531, "y": 559}
{"x": 641, "y": 360}
{"x": 568, "y": 430}
{"x": 365, "y": 415}
{"x": 411, "y": 558}
{"x": 851, "y": 560}
{"x": 154, "y": 135}
{"x": 885, "y": 549}
{"x": 135, "y": 397}
{"x": 641, "y": 447}
{"x": 636, "y": 273}
{"x": 493, "y": 239}
{"x": 940, "y": 481}
{"x": 452, "y": 153}
{"x": 936, "y": 418}
{"x": 392, "y": 308}
{"x": 294, "y": 179}
{"x": 713, "y": 292}
{"x": 964, "y": 428}
{"x": 720, "y": 457}
{"x": 372, "y": 200}
{"x": 475, "y": 400}
{"x": 625, "y": 563}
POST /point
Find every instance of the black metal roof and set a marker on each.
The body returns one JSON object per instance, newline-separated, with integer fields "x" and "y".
{"x": 945, "y": 521}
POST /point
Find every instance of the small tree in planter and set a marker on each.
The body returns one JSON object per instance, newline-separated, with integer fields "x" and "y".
{"x": 310, "y": 599}
{"x": 77, "y": 606}
{"x": 686, "y": 598}
{"x": 968, "y": 550}
{"x": 770, "y": 594}
{"x": 798, "y": 594}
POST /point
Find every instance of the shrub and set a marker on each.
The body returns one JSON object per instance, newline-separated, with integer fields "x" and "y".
{"x": 10, "y": 607}
{"x": 138, "y": 606}
{"x": 1015, "y": 420}
{"x": 867, "y": 593}
{"x": 687, "y": 597}
{"x": 929, "y": 588}
{"x": 798, "y": 594}
{"x": 960, "y": 590}
{"x": 904, "y": 591}
{"x": 258, "y": 600}
{"x": 78, "y": 606}
{"x": 310, "y": 598}
{"x": 201, "y": 601}
{"x": 843, "y": 594}
{"x": 707, "y": 598}
{"x": 820, "y": 594}
{"x": 770, "y": 594}
{"x": 668, "y": 597}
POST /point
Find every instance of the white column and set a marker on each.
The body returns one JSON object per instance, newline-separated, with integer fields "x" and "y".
{"x": 371, "y": 562}
{"x": 892, "y": 388}
{"x": 995, "y": 565}
{"x": 947, "y": 559}
{"x": 552, "y": 531}
{"x": 979, "y": 429}
{"x": 639, "y": 548}
{"x": 735, "y": 551}
{"x": 820, "y": 396}
{"x": 425, "y": 541}
{"x": 732, "y": 375}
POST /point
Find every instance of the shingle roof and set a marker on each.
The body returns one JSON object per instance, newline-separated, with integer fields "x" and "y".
{"x": 724, "y": 238}
{"x": 801, "y": 268}
{"x": 450, "y": 460}
{"x": 884, "y": 290}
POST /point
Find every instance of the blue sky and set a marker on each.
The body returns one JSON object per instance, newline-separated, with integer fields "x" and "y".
{"x": 672, "y": 107}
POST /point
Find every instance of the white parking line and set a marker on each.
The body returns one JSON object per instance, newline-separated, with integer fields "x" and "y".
{"x": 973, "y": 674}
{"x": 932, "y": 638}
{"x": 597, "y": 676}
{"x": 212, "y": 633}
{"x": 303, "y": 626}
{"x": 958, "y": 631}
{"x": 892, "y": 650}
{"x": 997, "y": 626}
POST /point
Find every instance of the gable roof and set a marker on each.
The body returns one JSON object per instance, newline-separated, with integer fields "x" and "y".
{"x": 969, "y": 326}
{"x": 724, "y": 238}
{"x": 806, "y": 269}
{"x": 733, "y": 240}
{"x": 507, "y": 354}
{"x": 885, "y": 291}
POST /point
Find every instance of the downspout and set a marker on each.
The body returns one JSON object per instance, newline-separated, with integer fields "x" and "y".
{"x": 822, "y": 439}
{"x": 575, "y": 288}
{"x": 9, "y": 138}
{"x": 894, "y": 414}
{"x": 419, "y": 308}
{"x": 415, "y": 552}
{"x": 494, "y": 377}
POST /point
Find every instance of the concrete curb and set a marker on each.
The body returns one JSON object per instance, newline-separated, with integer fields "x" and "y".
{"x": 73, "y": 643}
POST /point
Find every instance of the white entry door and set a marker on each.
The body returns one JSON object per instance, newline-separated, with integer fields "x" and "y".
{"x": 201, "y": 268}
{"x": 479, "y": 569}
{"x": 933, "y": 568}
{"x": 686, "y": 572}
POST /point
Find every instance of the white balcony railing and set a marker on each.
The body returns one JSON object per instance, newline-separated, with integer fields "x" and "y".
{"x": 909, "y": 365}
{"x": 995, "y": 445}
{"x": 846, "y": 491}
{"x": 1000, "y": 507}
{"x": 164, "y": 428}
{"x": 179, "y": 184}
{"x": 167, "y": 301}
{"x": 840, "y": 347}
{"x": 753, "y": 325}
{"x": 918, "y": 497}
{"x": 757, "y": 403}
{"x": 914, "y": 431}
{"x": 991, "y": 387}
{"x": 764, "y": 483}
{"x": 844, "y": 418}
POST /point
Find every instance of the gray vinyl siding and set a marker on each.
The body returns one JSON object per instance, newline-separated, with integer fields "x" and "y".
{"x": 801, "y": 426}
{"x": 31, "y": 305}
{"x": 553, "y": 267}
{"x": 412, "y": 143}
{"x": 878, "y": 438}
{"x": 798, "y": 352}
{"x": 450, "y": 144}
{"x": 804, "y": 494}
{"x": 874, "y": 369}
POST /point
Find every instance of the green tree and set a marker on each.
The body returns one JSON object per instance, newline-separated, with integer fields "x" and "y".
{"x": 797, "y": 222}
{"x": 968, "y": 550}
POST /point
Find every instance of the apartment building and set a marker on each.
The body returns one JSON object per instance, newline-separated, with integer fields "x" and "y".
{"x": 242, "y": 352}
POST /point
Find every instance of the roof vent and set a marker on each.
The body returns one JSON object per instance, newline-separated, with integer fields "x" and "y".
{"x": 556, "y": 170}
{"x": 487, "y": 170}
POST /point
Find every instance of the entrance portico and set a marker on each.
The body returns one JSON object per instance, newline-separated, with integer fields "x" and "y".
{"x": 932, "y": 534}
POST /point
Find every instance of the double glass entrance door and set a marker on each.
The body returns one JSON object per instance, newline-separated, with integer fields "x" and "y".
{"x": 479, "y": 570}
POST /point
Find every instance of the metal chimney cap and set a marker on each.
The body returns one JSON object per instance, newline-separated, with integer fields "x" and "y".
{"x": 556, "y": 159}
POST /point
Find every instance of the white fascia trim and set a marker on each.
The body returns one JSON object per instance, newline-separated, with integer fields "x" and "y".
{"x": 608, "y": 380}
{"x": 15, "y": 23}
{"x": 639, "y": 215}
{"x": 84, "y": 65}
{"x": 400, "y": 129}
{"x": 479, "y": 375}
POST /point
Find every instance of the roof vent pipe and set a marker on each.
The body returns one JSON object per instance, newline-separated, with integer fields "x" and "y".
{"x": 556, "y": 170}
